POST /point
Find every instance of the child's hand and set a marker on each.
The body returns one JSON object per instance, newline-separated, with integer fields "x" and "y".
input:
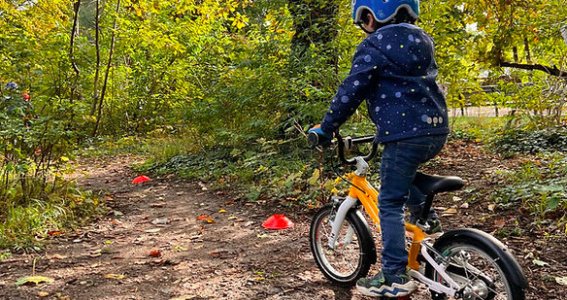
{"x": 318, "y": 137}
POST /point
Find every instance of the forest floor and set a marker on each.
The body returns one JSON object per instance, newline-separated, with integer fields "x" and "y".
{"x": 152, "y": 244}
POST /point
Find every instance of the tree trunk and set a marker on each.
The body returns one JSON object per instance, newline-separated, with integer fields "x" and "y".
{"x": 76, "y": 9}
{"x": 315, "y": 23}
{"x": 107, "y": 72}
{"x": 97, "y": 66}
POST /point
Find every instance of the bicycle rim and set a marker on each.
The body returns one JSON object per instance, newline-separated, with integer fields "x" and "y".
{"x": 345, "y": 259}
{"x": 477, "y": 271}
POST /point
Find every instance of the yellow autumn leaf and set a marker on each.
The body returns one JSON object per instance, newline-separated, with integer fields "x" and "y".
{"x": 33, "y": 279}
{"x": 314, "y": 177}
{"x": 42, "y": 294}
{"x": 115, "y": 276}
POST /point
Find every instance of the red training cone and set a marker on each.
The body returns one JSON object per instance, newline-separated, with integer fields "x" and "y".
{"x": 140, "y": 179}
{"x": 277, "y": 221}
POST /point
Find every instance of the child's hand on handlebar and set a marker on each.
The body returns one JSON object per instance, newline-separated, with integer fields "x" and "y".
{"x": 318, "y": 137}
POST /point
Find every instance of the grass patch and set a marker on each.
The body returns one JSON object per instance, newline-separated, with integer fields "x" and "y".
{"x": 477, "y": 129}
{"x": 24, "y": 225}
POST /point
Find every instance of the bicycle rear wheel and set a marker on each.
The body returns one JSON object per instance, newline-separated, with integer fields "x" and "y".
{"x": 353, "y": 252}
{"x": 473, "y": 264}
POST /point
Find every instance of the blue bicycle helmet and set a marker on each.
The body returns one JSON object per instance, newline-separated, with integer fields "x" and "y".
{"x": 383, "y": 10}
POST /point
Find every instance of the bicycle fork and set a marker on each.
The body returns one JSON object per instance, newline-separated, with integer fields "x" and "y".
{"x": 337, "y": 221}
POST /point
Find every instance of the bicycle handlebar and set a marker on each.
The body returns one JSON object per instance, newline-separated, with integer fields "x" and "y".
{"x": 348, "y": 142}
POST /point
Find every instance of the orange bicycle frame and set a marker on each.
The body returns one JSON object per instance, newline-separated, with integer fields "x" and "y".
{"x": 362, "y": 190}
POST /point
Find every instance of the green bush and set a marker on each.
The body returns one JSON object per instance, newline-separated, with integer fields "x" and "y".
{"x": 539, "y": 185}
{"x": 512, "y": 141}
{"x": 284, "y": 170}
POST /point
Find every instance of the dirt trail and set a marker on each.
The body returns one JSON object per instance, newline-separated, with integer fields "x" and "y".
{"x": 232, "y": 257}
{"x": 229, "y": 257}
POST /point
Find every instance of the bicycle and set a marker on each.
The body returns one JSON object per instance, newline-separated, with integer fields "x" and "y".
{"x": 462, "y": 264}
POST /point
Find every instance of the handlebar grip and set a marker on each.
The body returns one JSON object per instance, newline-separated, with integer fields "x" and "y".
{"x": 312, "y": 139}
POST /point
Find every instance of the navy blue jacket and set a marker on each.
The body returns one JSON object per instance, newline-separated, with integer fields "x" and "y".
{"x": 394, "y": 70}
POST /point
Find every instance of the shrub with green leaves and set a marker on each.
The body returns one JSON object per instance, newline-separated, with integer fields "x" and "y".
{"x": 539, "y": 185}
{"x": 531, "y": 141}
{"x": 34, "y": 196}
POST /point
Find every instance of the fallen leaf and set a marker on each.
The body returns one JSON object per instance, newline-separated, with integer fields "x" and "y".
{"x": 160, "y": 221}
{"x": 464, "y": 205}
{"x": 455, "y": 198}
{"x": 155, "y": 253}
{"x": 179, "y": 248}
{"x": 185, "y": 297}
{"x": 56, "y": 256}
{"x": 115, "y": 276}
{"x": 540, "y": 263}
{"x": 42, "y": 294}
{"x": 96, "y": 253}
{"x": 203, "y": 217}
{"x": 232, "y": 218}
{"x": 152, "y": 230}
{"x": 33, "y": 279}
{"x": 561, "y": 280}
{"x": 449, "y": 212}
{"x": 54, "y": 233}
{"x": 262, "y": 236}
{"x": 500, "y": 223}
{"x": 222, "y": 211}
{"x": 491, "y": 207}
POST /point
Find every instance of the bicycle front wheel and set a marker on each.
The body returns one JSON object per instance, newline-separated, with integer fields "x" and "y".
{"x": 353, "y": 252}
{"x": 484, "y": 273}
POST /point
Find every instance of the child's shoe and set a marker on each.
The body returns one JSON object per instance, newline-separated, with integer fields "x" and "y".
{"x": 380, "y": 286}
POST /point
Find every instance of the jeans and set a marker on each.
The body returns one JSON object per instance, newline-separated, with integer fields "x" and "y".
{"x": 400, "y": 161}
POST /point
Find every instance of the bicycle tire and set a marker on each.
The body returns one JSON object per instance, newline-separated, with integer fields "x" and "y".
{"x": 364, "y": 253}
{"x": 510, "y": 282}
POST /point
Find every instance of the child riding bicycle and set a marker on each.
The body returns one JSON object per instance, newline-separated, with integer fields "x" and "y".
{"x": 394, "y": 70}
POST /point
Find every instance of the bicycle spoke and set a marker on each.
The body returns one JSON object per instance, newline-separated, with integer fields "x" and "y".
{"x": 477, "y": 273}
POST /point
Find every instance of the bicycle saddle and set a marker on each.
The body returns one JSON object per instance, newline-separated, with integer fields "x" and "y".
{"x": 431, "y": 185}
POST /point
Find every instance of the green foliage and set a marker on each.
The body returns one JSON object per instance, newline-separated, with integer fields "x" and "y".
{"x": 539, "y": 185}
{"x": 233, "y": 75}
{"x": 477, "y": 129}
{"x": 525, "y": 140}
{"x": 266, "y": 169}
{"x": 24, "y": 226}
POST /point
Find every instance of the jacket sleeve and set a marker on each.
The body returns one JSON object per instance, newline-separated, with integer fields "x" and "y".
{"x": 353, "y": 90}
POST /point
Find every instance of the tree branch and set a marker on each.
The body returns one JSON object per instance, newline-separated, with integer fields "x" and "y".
{"x": 547, "y": 69}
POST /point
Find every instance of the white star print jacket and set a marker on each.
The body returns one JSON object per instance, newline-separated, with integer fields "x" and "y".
{"x": 394, "y": 70}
